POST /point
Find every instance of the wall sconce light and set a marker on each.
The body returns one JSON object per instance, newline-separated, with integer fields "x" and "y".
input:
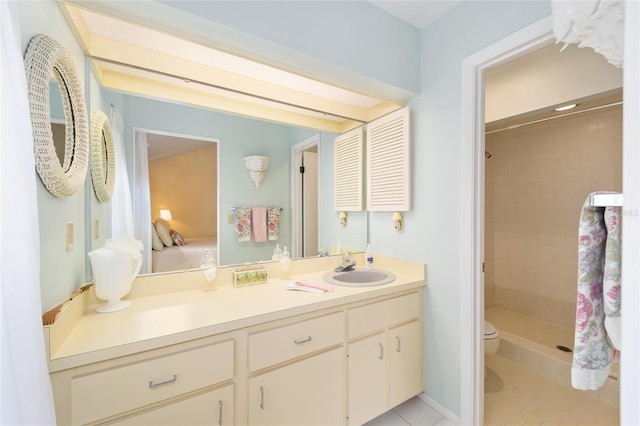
{"x": 257, "y": 166}
{"x": 166, "y": 214}
{"x": 397, "y": 221}
{"x": 343, "y": 219}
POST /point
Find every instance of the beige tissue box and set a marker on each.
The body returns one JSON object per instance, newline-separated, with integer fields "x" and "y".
{"x": 250, "y": 276}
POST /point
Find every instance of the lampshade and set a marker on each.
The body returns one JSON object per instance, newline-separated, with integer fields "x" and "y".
{"x": 166, "y": 214}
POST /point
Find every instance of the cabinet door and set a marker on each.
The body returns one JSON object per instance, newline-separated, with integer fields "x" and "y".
{"x": 366, "y": 366}
{"x": 307, "y": 392}
{"x": 214, "y": 407}
{"x": 405, "y": 363}
{"x": 348, "y": 171}
{"x": 389, "y": 162}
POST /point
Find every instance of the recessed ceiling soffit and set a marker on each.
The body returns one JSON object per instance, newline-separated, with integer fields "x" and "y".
{"x": 140, "y": 60}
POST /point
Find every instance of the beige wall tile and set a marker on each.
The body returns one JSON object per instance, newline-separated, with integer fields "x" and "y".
{"x": 537, "y": 181}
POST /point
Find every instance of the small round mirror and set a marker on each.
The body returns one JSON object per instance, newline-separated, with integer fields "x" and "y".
{"x": 103, "y": 165}
{"x": 46, "y": 57}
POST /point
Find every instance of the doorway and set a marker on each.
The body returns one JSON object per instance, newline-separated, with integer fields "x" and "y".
{"x": 304, "y": 181}
{"x": 179, "y": 174}
{"x": 472, "y": 207}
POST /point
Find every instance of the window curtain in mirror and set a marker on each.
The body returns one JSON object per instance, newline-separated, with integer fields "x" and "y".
{"x": 121, "y": 208}
{"x": 26, "y": 389}
{"x": 142, "y": 202}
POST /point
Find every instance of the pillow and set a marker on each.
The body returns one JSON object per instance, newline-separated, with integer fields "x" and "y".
{"x": 164, "y": 231}
{"x": 177, "y": 238}
{"x": 156, "y": 242}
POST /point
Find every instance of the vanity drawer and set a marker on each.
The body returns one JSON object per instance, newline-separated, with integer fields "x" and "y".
{"x": 380, "y": 315}
{"x": 280, "y": 344}
{"x": 107, "y": 393}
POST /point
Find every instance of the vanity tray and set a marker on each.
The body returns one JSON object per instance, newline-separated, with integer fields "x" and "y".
{"x": 249, "y": 276}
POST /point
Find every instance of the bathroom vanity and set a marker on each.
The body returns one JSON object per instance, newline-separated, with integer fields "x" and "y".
{"x": 258, "y": 355}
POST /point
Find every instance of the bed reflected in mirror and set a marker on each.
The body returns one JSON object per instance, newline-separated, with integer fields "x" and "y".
{"x": 183, "y": 173}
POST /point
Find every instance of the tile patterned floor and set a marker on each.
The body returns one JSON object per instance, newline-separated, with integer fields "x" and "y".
{"x": 414, "y": 412}
{"x": 515, "y": 394}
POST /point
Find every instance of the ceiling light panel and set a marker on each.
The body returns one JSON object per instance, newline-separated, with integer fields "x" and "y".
{"x": 149, "y": 39}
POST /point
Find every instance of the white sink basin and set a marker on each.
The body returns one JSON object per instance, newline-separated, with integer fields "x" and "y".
{"x": 359, "y": 277}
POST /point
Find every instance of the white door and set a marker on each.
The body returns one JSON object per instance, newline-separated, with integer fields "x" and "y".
{"x": 310, "y": 203}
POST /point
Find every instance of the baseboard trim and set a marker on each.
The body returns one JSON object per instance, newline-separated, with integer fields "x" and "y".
{"x": 439, "y": 408}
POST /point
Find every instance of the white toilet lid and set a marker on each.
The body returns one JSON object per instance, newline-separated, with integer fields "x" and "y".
{"x": 490, "y": 331}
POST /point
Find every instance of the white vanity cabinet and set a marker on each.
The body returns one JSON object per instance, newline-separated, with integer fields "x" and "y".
{"x": 385, "y": 366}
{"x": 213, "y": 407}
{"x": 131, "y": 391}
{"x": 338, "y": 359}
{"x": 304, "y": 379}
{"x": 307, "y": 392}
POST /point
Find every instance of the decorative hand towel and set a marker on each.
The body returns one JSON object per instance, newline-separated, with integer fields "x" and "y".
{"x": 243, "y": 223}
{"x": 593, "y": 352}
{"x": 259, "y": 224}
{"x": 273, "y": 223}
{"x": 611, "y": 279}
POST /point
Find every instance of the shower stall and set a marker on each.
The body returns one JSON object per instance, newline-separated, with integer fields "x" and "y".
{"x": 537, "y": 177}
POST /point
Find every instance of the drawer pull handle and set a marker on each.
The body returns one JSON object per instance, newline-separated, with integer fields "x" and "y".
{"x": 299, "y": 342}
{"x": 399, "y": 347}
{"x": 166, "y": 382}
{"x": 381, "y": 356}
{"x": 220, "y": 413}
{"x": 261, "y": 398}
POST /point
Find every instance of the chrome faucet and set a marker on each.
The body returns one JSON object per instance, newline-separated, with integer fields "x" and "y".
{"x": 347, "y": 263}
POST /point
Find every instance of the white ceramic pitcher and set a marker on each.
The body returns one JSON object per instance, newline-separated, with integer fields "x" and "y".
{"x": 114, "y": 266}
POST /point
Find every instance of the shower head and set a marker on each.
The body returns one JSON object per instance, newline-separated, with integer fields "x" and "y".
{"x": 487, "y": 154}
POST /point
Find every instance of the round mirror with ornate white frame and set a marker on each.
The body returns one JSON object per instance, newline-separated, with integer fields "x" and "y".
{"x": 46, "y": 57}
{"x": 103, "y": 162}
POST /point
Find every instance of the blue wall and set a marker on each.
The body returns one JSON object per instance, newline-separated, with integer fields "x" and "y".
{"x": 61, "y": 272}
{"x": 353, "y": 35}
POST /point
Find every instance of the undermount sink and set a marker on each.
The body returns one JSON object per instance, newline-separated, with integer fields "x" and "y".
{"x": 359, "y": 277}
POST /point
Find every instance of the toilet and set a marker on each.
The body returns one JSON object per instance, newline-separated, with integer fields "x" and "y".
{"x": 491, "y": 341}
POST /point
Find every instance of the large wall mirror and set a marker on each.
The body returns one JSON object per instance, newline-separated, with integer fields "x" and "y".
{"x": 195, "y": 132}
{"x": 215, "y": 95}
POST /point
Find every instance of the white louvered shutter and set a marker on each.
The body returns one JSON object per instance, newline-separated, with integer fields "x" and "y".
{"x": 389, "y": 163}
{"x": 348, "y": 164}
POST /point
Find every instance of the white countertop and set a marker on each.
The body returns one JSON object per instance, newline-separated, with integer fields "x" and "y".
{"x": 158, "y": 320}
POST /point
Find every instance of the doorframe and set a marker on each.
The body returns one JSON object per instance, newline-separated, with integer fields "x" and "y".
{"x": 472, "y": 212}
{"x": 296, "y": 192}
{"x": 471, "y": 282}
{"x": 147, "y": 130}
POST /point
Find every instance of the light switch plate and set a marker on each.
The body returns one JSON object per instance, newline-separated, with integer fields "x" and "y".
{"x": 230, "y": 219}
{"x": 69, "y": 236}
{"x": 96, "y": 228}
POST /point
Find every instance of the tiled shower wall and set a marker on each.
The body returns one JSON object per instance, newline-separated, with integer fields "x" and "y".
{"x": 535, "y": 185}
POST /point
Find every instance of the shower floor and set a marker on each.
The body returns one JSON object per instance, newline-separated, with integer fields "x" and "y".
{"x": 532, "y": 343}
{"x": 537, "y": 331}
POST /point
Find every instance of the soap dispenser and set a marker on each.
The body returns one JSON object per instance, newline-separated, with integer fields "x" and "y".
{"x": 368, "y": 258}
